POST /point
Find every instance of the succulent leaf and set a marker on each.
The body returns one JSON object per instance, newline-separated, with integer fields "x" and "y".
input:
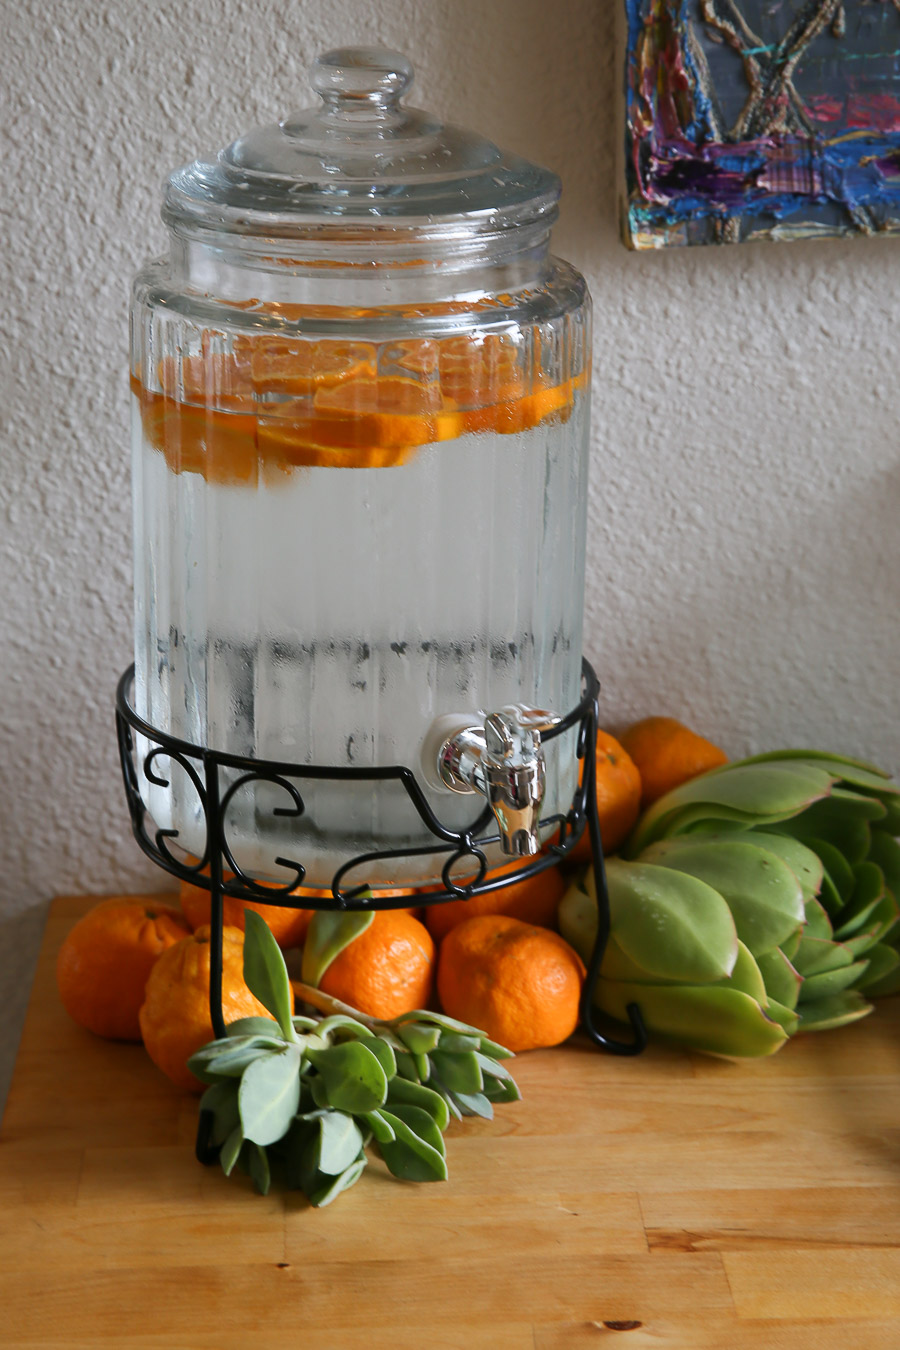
{"x": 668, "y": 923}
{"x": 829, "y": 982}
{"x": 763, "y": 894}
{"x": 782, "y": 981}
{"x": 756, "y": 792}
{"x": 826, "y": 1013}
{"x": 711, "y": 1018}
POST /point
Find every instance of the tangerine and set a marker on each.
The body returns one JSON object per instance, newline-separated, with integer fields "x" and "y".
{"x": 387, "y": 970}
{"x": 618, "y": 797}
{"x": 667, "y": 754}
{"x": 518, "y": 983}
{"x": 175, "y": 1018}
{"x": 288, "y": 925}
{"x": 106, "y": 959}
{"x": 533, "y": 900}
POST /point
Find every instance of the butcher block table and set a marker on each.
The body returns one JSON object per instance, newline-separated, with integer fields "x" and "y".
{"x": 667, "y": 1201}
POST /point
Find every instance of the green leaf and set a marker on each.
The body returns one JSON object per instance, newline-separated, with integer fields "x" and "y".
{"x": 230, "y": 1150}
{"x": 713, "y": 1019}
{"x": 422, "y": 1123}
{"x": 885, "y": 851}
{"x": 490, "y": 1066}
{"x": 453, "y": 1043}
{"x": 328, "y": 934}
{"x": 221, "y": 1101}
{"x": 340, "y": 1142}
{"x": 419, "y": 1038}
{"x": 495, "y": 1051}
{"x": 746, "y": 976}
{"x": 827, "y": 1013}
{"x": 837, "y": 869}
{"x": 474, "y": 1104}
{"x": 869, "y": 774}
{"x": 382, "y": 1130}
{"x": 816, "y": 987}
{"x": 254, "y": 1026}
{"x": 782, "y": 981}
{"x": 406, "y": 1066}
{"x": 382, "y": 1052}
{"x": 331, "y": 1188}
{"x": 816, "y": 955}
{"x": 459, "y": 1073}
{"x": 259, "y": 1168}
{"x": 265, "y": 973}
{"x": 501, "y": 1090}
{"x": 867, "y": 896}
{"x": 269, "y": 1095}
{"x": 818, "y": 924}
{"x": 416, "y": 1094}
{"x": 229, "y": 1059}
{"x": 667, "y": 922}
{"x": 787, "y": 1018}
{"x": 763, "y": 894}
{"x": 756, "y": 793}
{"x": 883, "y": 960}
{"x": 352, "y": 1077}
{"x": 434, "y": 1019}
{"x": 803, "y": 862}
{"x": 410, "y": 1157}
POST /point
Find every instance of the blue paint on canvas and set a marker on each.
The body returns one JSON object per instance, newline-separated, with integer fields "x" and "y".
{"x": 753, "y": 119}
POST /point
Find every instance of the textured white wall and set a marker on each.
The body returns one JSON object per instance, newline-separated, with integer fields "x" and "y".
{"x": 743, "y": 560}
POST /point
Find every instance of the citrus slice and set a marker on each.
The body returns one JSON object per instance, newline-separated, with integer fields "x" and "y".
{"x": 293, "y": 366}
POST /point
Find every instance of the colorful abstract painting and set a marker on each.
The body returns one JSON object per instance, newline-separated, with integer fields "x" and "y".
{"x": 761, "y": 119}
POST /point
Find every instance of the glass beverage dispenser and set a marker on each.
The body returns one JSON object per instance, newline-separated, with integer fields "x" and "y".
{"x": 361, "y": 388}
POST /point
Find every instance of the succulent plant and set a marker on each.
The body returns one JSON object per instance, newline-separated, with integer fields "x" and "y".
{"x": 753, "y": 902}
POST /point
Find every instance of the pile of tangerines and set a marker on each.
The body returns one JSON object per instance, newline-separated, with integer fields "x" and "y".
{"x": 134, "y": 969}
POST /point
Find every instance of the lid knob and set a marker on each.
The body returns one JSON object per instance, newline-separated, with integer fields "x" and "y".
{"x": 349, "y": 78}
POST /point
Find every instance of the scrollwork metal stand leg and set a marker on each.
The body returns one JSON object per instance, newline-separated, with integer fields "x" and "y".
{"x": 603, "y": 920}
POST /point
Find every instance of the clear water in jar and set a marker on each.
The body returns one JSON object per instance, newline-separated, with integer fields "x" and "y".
{"x": 329, "y": 616}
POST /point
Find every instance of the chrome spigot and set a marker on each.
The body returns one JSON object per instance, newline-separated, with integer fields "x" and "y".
{"x": 502, "y": 760}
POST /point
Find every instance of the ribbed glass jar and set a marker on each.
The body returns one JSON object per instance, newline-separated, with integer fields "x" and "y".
{"x": 360, "y": 464}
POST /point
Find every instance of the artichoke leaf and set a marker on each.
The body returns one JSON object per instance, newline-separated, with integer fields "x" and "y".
{"x": 716, "y": 1020}
{"x": 763, "y": 894}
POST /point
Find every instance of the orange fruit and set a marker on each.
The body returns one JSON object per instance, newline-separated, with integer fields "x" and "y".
{"x": 518, "y": 983}
{"x": 175, "y": 1018}
{"x": 618, "y": 797}
{"x": 533, "y": 900}
{"x": 387, "y": 970}
{"x": 288, "y": 925}
{"x": 105, "y": 960}
{"x": 667, "y": 754}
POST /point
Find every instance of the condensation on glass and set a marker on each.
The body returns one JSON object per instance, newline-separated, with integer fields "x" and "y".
{"x": 360, "y": 387}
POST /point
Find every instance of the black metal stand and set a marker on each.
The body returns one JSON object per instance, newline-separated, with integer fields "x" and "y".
{"x": 212, "y": 774}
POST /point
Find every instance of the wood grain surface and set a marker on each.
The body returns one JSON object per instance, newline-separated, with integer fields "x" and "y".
{"x": 669, "y": 1201}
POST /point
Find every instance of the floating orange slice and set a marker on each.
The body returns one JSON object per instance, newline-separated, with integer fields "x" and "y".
{"x": 289, "y": 366}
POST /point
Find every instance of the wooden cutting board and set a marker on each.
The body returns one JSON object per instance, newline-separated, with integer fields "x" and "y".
{"x": 669, "y": 1201}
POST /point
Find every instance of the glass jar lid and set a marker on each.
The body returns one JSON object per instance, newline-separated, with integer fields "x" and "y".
{"x": 361, "y": 164}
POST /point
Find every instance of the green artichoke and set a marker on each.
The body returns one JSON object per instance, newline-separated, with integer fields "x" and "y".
{"x": 753, "y": 902}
